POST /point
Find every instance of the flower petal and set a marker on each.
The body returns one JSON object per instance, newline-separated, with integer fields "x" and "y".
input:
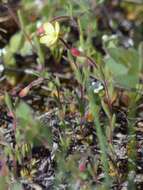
{"x": 52, "y": 41}
{"x": 48, "y": 27}
{"x": 57, "y": 28}
{"x": 44, "y": 39}
{"x": 51, "y": 33}
{"x": 48, "y": 40}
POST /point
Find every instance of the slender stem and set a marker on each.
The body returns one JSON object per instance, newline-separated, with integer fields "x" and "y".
{"x": 60, "y": 18}
{"x": 68, "y": 48}
{"x": 65, "y": 43}
{"x": 106, "y": 90}
{"x": 91, "y": 61}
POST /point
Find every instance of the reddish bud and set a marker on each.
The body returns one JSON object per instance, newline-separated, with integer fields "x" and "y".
{"x": 10, "y": 114}
{"x": 82, "y": 167}
{"x": 75, "y": 52}
{"x": 40, "y": 30}
{"x": 24, "y": 91}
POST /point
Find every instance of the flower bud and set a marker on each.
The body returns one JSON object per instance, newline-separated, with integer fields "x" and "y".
{"x": 10, "y": 114}
{"x": 75, "y": 52}
{"x": 24, "y": 92}
{"x": 40, "y": 30}
{"x": 82, "y": 167}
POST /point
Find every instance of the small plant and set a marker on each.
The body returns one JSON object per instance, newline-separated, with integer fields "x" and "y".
{"x": 71, "y": 95}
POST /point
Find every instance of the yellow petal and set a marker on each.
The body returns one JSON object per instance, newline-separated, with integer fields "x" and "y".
{"x": 51, "y": 42}
{"x": 48, "y": 27}
{"x": 51, "y": 33}
{"x": 57, "y": 28}
{"x": 44, "y": 39}
{"x": 48, "y": 41}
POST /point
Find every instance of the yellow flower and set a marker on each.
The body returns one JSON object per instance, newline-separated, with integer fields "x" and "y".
{"x": 51, "y": 33}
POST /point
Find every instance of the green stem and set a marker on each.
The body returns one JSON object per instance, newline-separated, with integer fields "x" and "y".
{"x": 101, "y": 138}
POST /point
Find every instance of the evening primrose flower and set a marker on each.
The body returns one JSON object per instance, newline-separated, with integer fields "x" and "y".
{"x": 49, "y": 33}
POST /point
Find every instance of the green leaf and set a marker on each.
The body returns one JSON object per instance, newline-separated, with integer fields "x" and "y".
{"x": 17, "y": 186}
{"x": 26, "y": 49}
{"x": 127, "y": 80}
{"x": 23, "y": 111}
{"x": 140, "y": 50}
{"x": 123, "y": 64}
{"x": 16, "y": 42}
{"x": 94, "y": 108}
{"x": 8, "y": 57}
{"x": 8, "y": 101}
{"x": 116, "y": 69}
{"x": 128, "y": 57}
{"x": 22, "y": 20}
{"x": 3, "y": 183}
{"x": 39, "y": 51}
